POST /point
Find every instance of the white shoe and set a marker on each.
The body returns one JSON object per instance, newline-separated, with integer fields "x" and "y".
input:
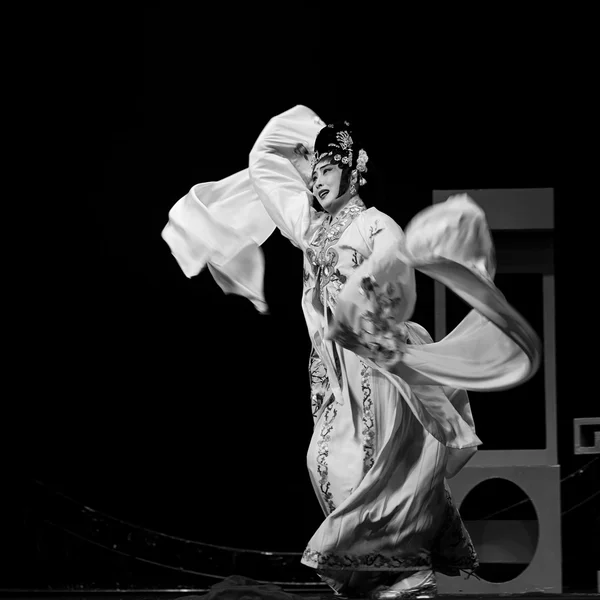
{"x": 421, "y": 585}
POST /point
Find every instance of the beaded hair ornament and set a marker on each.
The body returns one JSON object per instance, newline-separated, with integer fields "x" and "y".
{"x": 335, "y": 141}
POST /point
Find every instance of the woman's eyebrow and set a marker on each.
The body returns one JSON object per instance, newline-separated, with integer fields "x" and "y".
{"x": 314, "y": 174}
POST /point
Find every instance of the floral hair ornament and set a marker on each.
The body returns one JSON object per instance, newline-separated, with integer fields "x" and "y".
{"x": 335, "y": 140}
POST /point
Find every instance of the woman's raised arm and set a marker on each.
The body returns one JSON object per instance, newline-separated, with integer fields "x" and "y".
{"x": 280, "y": 173}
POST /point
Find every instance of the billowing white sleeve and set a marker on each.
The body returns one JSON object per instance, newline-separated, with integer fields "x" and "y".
{"x": 280, "y": 173}
{"x": 222, "y": 225}
{"x": 493, "y": 348}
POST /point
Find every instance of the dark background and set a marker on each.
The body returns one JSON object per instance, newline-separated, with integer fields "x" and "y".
{"x": 156, "y": 398}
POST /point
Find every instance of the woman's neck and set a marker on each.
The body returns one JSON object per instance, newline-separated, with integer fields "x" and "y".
{"x": 340, "y": 203}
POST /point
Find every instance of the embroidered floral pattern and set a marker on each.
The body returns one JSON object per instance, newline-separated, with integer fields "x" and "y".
{"x": 382, "y": 333}
{"x": 328, "y": 234}
{"x": 357, "y": 259}
{"x": 319, "y": 383}
{"x": 373, "y": 561}
{"x": 349, "y": 339}
{"x": 323, "y": 259}
{"x": 323, "y": 454}
{"x": 337, "y": 282}
{"x": 374, "y": 230}
{"x": 380, "y": 336}
{"x": 316, "y": 401}
{"x": 305, "y": 276}
{"x": 368, "y": 419}
{"x": 452, "y": 552}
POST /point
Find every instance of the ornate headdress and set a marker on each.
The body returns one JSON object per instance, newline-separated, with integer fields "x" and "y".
{"x": 335, "y": 141}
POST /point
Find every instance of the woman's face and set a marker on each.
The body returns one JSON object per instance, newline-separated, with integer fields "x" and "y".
{"x": 326, "y": 182}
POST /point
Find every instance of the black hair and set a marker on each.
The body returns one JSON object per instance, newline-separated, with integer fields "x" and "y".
{"x": 328, "y": 143}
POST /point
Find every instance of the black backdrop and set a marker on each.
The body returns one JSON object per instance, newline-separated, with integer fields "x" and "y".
{"x": 159, "y": 399}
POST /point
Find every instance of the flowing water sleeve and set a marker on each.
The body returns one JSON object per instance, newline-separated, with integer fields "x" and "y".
{"x": 221, "y": 225}
{"x": 492, "y": 348}
{"x": 280, "y": 172}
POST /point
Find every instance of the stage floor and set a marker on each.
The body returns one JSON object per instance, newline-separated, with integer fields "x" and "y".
{"x": 306, "y": 595}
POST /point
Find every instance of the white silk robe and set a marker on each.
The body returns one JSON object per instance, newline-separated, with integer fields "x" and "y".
{"x": 392, "y": 419}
